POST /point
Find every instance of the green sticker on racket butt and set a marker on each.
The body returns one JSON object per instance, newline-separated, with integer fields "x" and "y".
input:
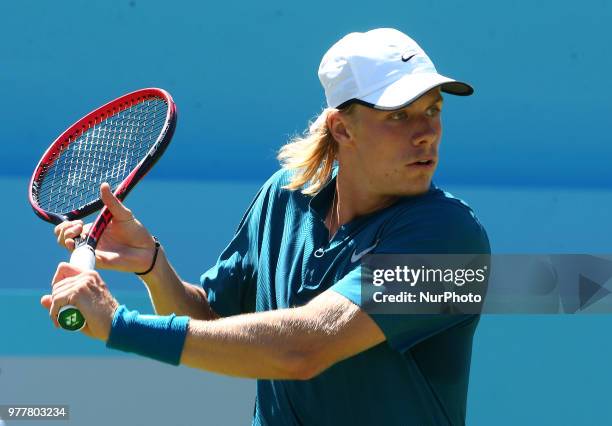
{"x": 70, "y": 318}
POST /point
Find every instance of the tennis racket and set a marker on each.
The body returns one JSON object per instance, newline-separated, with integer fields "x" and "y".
{"x": 117, "y": 143}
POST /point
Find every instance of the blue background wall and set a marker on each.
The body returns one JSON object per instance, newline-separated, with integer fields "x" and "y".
{"x": 244, "y": 77}
{"x": 530, "y": 152}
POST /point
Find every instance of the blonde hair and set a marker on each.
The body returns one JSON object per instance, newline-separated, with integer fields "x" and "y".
{"x": 311, "y": 155}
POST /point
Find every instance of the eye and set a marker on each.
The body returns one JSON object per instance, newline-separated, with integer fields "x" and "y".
{"x": 433, "y": 111}
{"x": 398, "y": 115}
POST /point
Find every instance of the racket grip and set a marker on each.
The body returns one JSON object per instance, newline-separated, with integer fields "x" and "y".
{"x": 83, "y": 257}
{"x": 69, "y": 317}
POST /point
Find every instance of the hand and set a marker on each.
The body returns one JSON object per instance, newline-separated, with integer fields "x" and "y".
{"x": 86, "y": 291}
{"x": 125, "y": 245}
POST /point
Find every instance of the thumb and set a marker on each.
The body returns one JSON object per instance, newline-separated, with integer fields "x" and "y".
{"x": 119, "y": 211}
{"x": 45, "y": 301}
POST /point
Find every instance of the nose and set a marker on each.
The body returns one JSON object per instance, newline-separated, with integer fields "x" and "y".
{"x": 426, "y": 131}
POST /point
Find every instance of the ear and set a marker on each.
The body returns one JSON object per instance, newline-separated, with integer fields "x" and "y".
{"x": 341, "y": 127}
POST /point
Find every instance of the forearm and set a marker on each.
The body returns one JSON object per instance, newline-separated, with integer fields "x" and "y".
{"x": 169, "y": 294}
{"x": 285, "y": 344}
{"x": 281, "y": 344}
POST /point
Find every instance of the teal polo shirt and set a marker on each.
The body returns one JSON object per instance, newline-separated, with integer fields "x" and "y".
{"x": 281, "y": 257}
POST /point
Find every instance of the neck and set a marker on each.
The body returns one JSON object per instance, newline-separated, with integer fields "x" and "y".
{"x": 352, "y": 200}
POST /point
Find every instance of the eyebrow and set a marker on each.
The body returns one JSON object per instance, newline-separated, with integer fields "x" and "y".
{"x": 439, "y": 98}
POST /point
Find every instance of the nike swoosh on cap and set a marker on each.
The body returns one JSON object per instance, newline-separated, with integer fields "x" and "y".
{"x": 406, "y": 59}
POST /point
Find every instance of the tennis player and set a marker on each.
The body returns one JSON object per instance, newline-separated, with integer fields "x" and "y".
{"x": 282, "y": 304}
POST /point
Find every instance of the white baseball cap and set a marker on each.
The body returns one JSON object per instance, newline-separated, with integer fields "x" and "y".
{"x": 382, "y": 68}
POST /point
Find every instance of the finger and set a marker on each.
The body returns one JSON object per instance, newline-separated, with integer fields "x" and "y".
{"x": 66, "y": 292}
{"x": 58, "y": 301}
{"x": 65, "y": 270}
{"x": 68, "y": 229}
{"x": 64, "y": 225}
{"x": 71, "y": 233}
{"x": 60, "y": 227}
{"x": 71, "y": 284}
{"x": 116, "y": 207}
{"x": 75, "y": 230}
{"x": 59, "y": 231}
{"x": 45, "y": 301}
{"x": 63, "y": 285}
{"x": 69, "y": 244}
{"x": 79, "y": 291}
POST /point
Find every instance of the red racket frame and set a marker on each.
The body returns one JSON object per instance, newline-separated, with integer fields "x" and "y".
{"x": 81, "y": 126}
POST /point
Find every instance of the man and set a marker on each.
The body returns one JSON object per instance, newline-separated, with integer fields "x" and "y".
{"x": 284, "y": 296}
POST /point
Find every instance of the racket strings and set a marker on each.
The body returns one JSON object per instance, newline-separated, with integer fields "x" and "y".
{"x": 106, "y": 152}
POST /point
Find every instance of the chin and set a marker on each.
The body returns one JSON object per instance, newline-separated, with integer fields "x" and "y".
{"x": 411, "y": 191}
{"x": 416, "y": 188}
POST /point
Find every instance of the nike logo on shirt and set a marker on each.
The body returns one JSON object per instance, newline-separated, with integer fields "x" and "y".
{"x": 356, "y": 256}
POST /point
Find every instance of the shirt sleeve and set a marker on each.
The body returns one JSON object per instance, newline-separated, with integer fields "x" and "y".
{"x": 230, "y": 284}
{"x": 446, "y": 227}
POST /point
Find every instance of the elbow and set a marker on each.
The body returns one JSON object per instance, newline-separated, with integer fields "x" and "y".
{"x": 303, "y": 364}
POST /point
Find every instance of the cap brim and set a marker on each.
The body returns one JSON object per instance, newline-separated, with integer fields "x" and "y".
{"x": 408, "y": 88}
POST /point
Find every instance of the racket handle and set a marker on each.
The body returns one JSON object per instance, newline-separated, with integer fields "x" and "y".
{"x": 69, "y": 317}
{"x": 83, "y": 257}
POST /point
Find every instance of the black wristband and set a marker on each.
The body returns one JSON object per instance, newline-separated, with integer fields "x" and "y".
{"x": 154, "y": 258}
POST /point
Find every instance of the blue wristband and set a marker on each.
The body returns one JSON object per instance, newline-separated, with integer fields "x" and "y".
{"x": 157, "y": 337}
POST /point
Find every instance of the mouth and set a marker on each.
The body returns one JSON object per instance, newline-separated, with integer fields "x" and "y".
{"x": 423, "y": 164}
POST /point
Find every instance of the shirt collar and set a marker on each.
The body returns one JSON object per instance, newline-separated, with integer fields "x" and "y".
{"x": 321, "y": 201}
